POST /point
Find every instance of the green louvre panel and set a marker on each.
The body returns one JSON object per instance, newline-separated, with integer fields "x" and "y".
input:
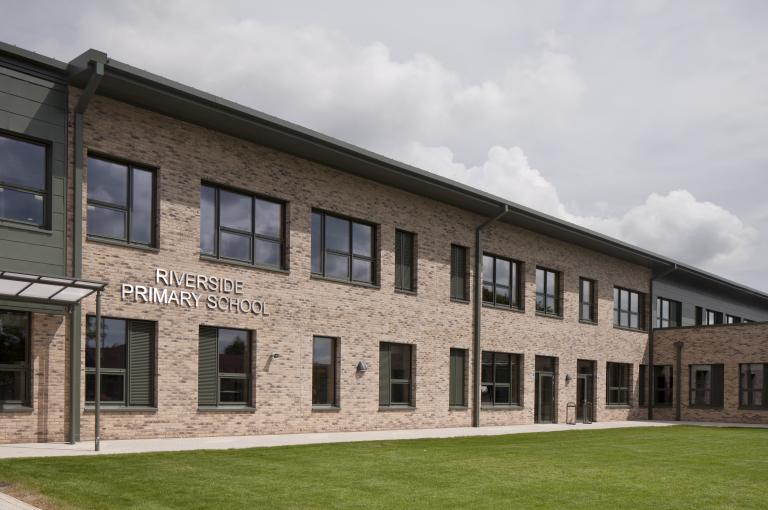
{"x": 141, "y": 363}
{"x": 457, "y": 377}
{"x": 458, "y": 272}
{"x": 384, "y": 374}
{"x": 208, "y": 374}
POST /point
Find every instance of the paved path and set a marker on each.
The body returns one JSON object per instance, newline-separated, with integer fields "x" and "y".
{"x": 218, "y": 443}
{"x": 10, "y": 503}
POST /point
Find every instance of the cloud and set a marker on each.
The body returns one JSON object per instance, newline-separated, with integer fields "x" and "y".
{"x": 675, "y": 224}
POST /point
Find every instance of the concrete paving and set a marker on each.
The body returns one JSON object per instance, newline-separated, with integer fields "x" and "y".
{"x": 10, "y": 503}
{"x": 109, "y": 447}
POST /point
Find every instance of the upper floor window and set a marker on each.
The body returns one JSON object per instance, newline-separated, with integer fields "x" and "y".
{"x": 628, "y": 308}
{"x": 548, "y": 291}
{"x": 733, "y": 319}
{"x": 753, "y": 383}
{"x": 23, "y": 181}
{"x": 459, "y": 280}
{"x": 706, "y": 317}
{"x": 405, "y": 260}
{"x": 342, "y": 248}
{"x": 14, "y": 358}
{"x": 668, "y": 313}
{"x": 501, "y": 282}
{"x": 241, "y": 227}
{"x": 587, "y": 300}
{"x": 121, "y": 202}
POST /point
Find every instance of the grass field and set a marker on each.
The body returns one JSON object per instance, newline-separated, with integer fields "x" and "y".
{"x": 669, "y": 467}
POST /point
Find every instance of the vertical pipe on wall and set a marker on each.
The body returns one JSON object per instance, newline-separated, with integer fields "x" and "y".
{"x": 96, "y": 73}
{"x": 477, "y": 323}
{"x": 97, "y": 382}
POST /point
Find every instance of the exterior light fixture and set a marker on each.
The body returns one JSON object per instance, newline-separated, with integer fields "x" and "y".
{"x": 567, "y": 378}
{"x": 275, "y": 355}
{"x": 362, "y": 367}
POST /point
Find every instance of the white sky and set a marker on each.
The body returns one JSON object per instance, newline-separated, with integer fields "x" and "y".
{"x": 646, "y": 120}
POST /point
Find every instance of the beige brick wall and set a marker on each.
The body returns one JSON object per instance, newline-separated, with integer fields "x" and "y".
{"x": 301, "y": 306}
{"x": 730, "y": 345}
{"x": 47, "y": 420}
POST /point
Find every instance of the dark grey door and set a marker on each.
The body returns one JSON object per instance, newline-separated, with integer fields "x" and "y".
{"x": 545, "y": 397}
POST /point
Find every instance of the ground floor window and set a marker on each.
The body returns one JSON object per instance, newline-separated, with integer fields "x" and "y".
{"x": 395, "y": 374}
{"x": 457, "y": 390}
{"x": 706, "y": 383}
{"x": 500, "y": 379}
{"x": 324, "y": 371}
{"x": 753, "y": 379}
{"x": 14, "y": 358}
{"x": 662, "y": 385}
{"x": 127, "y": 362}
{"x": 224, "y": 367}
{"x": 617, "y": 385}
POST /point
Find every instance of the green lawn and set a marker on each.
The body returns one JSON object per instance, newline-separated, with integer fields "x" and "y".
{"x": 670, "y": 467}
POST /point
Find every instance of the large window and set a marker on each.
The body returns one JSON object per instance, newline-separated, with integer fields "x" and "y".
{"x": 224, "y": 359}
{"x": 500, "y": 379}
{"x": 343, "y": 249}
{"x": 706, "y": 383}
{"x": 662, "y": 385}
{"x": 127, "y": 362}
{"x": 14, "y": 358}
{"x": 457, "y": 392}
{"x": 324, "y": 371}
{"x": 405, "y": 261}
{"x": 587, "y": 300}
{"x": 121, "y": 202}
{"x": 617, "y": 384}
{"x": 753, "y": 383}
{"x": 395, "y": 374}
{"x": 23, "y": 181}
{"x": 501, "y": 282}
{"x": 732, "y": 319}
{"x": 668, "y": 313}
{"x": 548, "y": 291}
{"x": 459, "y": 280}
{"x": 241, "y": 227}
{"x": 706, "y": 317}
{"x": 628, "y": 308}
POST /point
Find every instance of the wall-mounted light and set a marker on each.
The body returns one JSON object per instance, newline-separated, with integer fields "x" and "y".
{"x": 362, "y": 367}
{"x": 567, "y": 378}
{"x": 275, "y": 355}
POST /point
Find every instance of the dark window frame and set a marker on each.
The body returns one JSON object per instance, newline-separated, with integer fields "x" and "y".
{"x": 623, "y": 385}
{"x": 282, "y": 239}
{"x": 667, "y": 390}
{"x": 460, "y": 292}
{"x": 124, "y": 372}
{"x": 715, "y": 390}
{"x": 25, "y": 368}
{"x": 248, "y": 376}
{"x": 334, "y": 378}
{"x": 127, "y": 209}
{"x": 516, "y": 288}
{"x": 661, "y": 320}
{"x": 373, "y": 259}
{"x": 750, "y": 390}
{"x": 390, "y": 381}
{"x": 451, "y": 378}
{"x": 591, "y": 303}
{"x": 413, "y": 238}
{"x": 557, "y": 297}
{"x": 515, "y": 372}
{"x": 733, "y": 319}
{"x": 617, "y": 309}
{"x": 46, "y": 193}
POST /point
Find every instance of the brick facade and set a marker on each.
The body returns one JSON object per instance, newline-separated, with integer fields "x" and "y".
{"x": 730, "y": 345}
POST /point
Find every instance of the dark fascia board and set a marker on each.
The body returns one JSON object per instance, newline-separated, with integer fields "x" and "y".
{"x": 34, "y": 63}
{"x": 154, "y": 92}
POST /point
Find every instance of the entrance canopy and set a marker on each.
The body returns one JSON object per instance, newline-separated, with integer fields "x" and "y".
{"x": 58, "y": 290}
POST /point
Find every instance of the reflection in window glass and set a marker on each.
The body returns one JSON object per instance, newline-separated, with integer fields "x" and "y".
{"x": 23, "y": 181}
{"x": 342, "y": 249}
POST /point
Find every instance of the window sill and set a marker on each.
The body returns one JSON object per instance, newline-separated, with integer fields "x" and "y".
{"x": 460, "y": 301}
{"x": 386, "y": 409}
{"x": 657, "y": 406}
{"x": 633, "y": 330}
{"x": 549, "y": 315}
{"x": 101, "y": 240}
{"x": 326, "y": 409}
{"x": 588, "y": 323}
{"x": 11, "y": 408}
{"x": 25, "y": 226}
{"x": 618, "y": 406}
{"x": 406, "y": 292}
{"x": 752, "y": 408}
{"x": 239, "y": 263}
{"x": 706, "y": 408}
{"x": 226, "y": 409}
{"x": 501, "y": 307}
{"x": 120, "y": 409}
{"x": 345, "y": 282}
{"x": 501, "y": 408}
{"x": 458, "y": 408}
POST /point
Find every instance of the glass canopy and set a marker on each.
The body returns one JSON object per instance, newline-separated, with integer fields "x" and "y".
{"x": 46, "y": 289}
